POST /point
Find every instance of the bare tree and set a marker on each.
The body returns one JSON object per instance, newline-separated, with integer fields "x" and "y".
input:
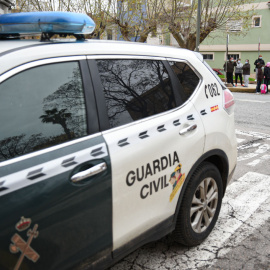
{"x": 136, "y": 19}
{"x": 46, "y": 5}
{"x": 180, "y": 16}
{"x": 15, "y": 146}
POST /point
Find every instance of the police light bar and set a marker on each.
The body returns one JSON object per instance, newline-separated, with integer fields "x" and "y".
{"x": 46, "y": 22}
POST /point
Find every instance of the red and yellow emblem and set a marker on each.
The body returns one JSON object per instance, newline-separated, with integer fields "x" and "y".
{"x": 20, "y": 245}
{"x": 23, "y": 224}
{"x": 214, "y": 108}
{"x": 177, "y": 179}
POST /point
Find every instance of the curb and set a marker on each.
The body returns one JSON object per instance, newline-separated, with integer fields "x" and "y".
{"x": 242, "y": 89}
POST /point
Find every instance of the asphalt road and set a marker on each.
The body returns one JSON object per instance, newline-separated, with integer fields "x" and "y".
{"x": 240, "y": 239}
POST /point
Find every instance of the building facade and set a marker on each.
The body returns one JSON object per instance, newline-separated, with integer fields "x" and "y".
{"x": 5, "y": 6}
{"x": 256, "y": 41}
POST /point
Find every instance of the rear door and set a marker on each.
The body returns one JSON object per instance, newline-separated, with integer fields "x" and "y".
{"x": 154, "y": 136}
{"x": 55, "y": 172}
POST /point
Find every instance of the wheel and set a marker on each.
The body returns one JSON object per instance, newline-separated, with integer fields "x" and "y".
{"x": 200, "y": 206}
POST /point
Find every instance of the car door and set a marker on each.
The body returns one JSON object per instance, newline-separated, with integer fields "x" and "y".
{"x": 154, "y": 136}
{"x": 55, "y": 171}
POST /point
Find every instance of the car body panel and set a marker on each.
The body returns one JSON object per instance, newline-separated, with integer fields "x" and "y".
{"x": 40, "y": 189}
{"x": 32, "y": 51}
{"x": 209, "y": 103}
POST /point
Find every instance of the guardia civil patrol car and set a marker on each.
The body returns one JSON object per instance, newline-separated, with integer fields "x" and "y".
{"x": 105, "y": 146}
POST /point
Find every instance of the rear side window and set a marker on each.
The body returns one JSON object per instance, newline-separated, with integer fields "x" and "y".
{"x": 41, "y": 107}
{"x": 135, "y": 89}
{"x": 187, "y": 78}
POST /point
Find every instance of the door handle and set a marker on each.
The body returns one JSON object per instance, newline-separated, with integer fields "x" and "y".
{"x": 90, "y": 172}
{"x": 188, "y": 129}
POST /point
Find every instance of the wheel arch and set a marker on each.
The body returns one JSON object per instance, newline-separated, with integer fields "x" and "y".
{"x": 216, "y": 157}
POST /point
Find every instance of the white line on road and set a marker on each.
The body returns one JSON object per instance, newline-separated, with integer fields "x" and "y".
{"x": 240, "y": 140}
{"x": 259, "y": 150}
{"x": 257, "y": 161}
{"x": 258, "y": 135}
{"x": 255, "y": 101}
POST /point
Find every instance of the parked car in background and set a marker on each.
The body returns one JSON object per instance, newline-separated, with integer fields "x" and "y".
{"x": 218, "y": 71}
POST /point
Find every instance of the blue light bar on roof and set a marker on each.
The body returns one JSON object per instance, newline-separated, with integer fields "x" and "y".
{"x": 46, "y": 22}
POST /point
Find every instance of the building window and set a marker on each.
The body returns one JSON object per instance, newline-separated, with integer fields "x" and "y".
{"x": 167, "y": 39}
{"x": 184, "y": 3}
{"x": 109, "y": 34}
{"x": 128, "y": 5}
{"x": 235, "y": 56}
{"x": 256, "y": 21}
{"x": 154, "y": 33}
{"x": 234, "y": 26}
{"x": 209, "y": 56}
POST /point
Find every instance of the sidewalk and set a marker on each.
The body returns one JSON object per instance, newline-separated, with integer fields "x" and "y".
{"x": 250, "y": 89}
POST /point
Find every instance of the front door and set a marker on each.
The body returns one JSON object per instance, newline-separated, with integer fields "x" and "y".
{"x": 55, "y": 172}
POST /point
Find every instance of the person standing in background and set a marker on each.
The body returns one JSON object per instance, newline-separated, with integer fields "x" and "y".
{"x": 266, "y": 74}
{"x": 259, "y": 79}
{"x": 229, "y": 70}
{"x": 257, "y": 62}
{"x": 238, "y": 72}
{"x": 246, "y": 72}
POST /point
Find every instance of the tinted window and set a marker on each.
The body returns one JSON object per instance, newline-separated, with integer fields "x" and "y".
{"x": 208, "y": 56}
{"x": 41, "y": 107}
{"x": 187, "y": 78}
{"x": 135, "y": 89}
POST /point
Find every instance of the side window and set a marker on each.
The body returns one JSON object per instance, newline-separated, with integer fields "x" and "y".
{"x": 135, "y": 89}
{"x": 187, "y": 78}
{"x": 41, "y": 107}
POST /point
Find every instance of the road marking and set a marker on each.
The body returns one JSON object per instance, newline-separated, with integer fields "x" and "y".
{"x": 257, "y": 161}
{"x": 254, "y": 101}
{"x": 248, "y": 145}
{"x": 253, "y": 147}
{"x": 258, "y": 135}
{"x": 260, "y": 150}
{"x": 239, "y": 211}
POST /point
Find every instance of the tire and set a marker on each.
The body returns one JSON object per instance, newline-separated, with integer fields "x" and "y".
{"x": 192, "y": 228}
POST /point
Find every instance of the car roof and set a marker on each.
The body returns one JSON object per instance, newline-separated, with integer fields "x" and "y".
{"x": 17, "y": 52}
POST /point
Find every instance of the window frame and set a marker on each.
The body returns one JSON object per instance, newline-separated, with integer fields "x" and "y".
{"x": 232, "y": 54}
{"x": 100, "y": 98}
{"x": 233, "y": 27}
{"x": 194, "y": 70}
{"x": 253, "y": 21}
{"x": 109, "y": 33}
{"x": 213, "y": 56}
{"x": 90, "y": 103}
{"x": 101, "y": 105}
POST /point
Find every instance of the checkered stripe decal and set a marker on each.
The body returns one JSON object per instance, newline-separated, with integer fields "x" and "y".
{"x": 2, "y": 188}
{"x": 203, "y": 112}
{"x": 49, "y": 169}
{"x": 161, "y": 128}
